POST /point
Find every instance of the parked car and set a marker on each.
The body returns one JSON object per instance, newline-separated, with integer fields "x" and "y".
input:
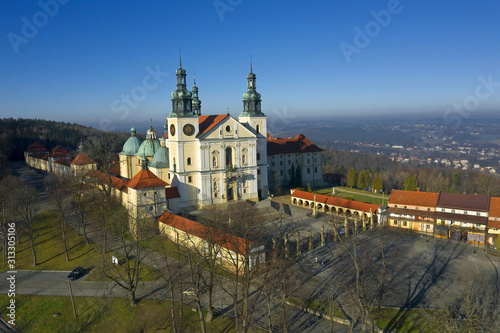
{"x": 191, "y": 291}
{"x": 76, "y": 273}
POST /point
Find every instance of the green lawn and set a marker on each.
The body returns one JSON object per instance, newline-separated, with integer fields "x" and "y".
{"x": 411, "y": 321}
{"x": 49, "y": 247}
{"x": 357, "y": 195}
{"x": 50, "y": 250}
{"x": 36, "y": 314}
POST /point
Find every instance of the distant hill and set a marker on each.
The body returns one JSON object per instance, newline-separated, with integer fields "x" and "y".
{"x": 17, "y": 134}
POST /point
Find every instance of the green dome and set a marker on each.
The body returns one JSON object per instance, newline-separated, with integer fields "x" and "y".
{"x": 148, "y": 148}
{"x": 150, "y": 145}
{"x": 251, "y": 95}
{"x": 132, "y": 144}
{"x": 181, "y": 94}
{"x": 161, "y": 159}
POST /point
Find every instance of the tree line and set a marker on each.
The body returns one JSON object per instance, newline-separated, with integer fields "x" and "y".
{"x": 379, "y": 173}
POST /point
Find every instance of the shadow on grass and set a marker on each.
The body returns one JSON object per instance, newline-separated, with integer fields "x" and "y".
{"x": 418, "y": 291}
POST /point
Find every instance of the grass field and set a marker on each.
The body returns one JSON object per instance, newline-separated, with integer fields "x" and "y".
{"x": 36, "y": 314}
{"x": 410, "y": 321}
{"x": 50, "y": 250}
{"x": 357, "y": 195}
{"x": 49, "y": 247}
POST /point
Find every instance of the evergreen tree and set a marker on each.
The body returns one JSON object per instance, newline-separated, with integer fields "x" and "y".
{"x": 377, "y": 184}
{"x": 411, "y": 183}
{"x": 293, "y": 177}
{"x": 363, "y": 179}
{"x": 298, "y": 176}
{"x": 351, "y": 177}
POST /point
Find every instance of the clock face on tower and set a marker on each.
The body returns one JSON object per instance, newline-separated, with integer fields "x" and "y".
{"x": 172, "y": 130}
{"x": 188, "y": 129}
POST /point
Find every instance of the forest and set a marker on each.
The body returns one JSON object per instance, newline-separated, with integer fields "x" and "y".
{"x": 372, "y": 172}
{"x": 17, "y": 134}
{"x": 367, "y": 171}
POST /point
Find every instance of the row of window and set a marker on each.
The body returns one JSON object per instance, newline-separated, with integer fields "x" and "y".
{"x": 453, "y": 211}
{"x": 290, "y": 171}
{"x": 295, "y": 162}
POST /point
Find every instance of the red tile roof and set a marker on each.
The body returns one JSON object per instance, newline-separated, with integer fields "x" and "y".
{"x": 82, "y": 159}
{"x": 226, "y": 240}
{"x": 172, "y": 192}
{"x": 463, "y": 201}
{"x": 494, "y": 207}
{"x": 413, "y": 198}
{"x": 461, "y": 218}
{"x": 64, "y": 161}
{"x": 58, "y": 151}
{"x": 41, "y": 156}
{"x": 116, "y": 182}
{"x": 325, "y": 199}
{"x": 145, "y": 179}
{"x": 36, "y": 147}
{"x": 115, "y": 167}
{"x": 299, "y": 144}
{"x": 494, "y": 224}
{"x": 206, "y": 123}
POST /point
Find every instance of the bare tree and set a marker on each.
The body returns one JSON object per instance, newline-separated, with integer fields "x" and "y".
{"x": 26, "y": 205}
{"x": 80, "y": 204}
{"x": 58, "y": 189}
{"x": 475, "y": 309}
{"x": 127, "y": 275}
{"x": 242, "y": 251}
{"x": 175, "y": 273}
{"x": 370, "y": 271}
{"x": 8, "y": 183}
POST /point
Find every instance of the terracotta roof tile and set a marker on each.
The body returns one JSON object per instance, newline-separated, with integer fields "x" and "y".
{"x": 206, "y": 123}
{"x": 494, "y": 207}
{"x": 36, "y": 147}
{"x": 116, "y": 182}
{"x": 461, "y": 218}
{"x": 226, "y": 240}
{"x": 82, "y": 159}
{"x": 172, "y": 192}
{"x": 64, "y": 161}
{"x": 463, "y": 201}
{"x": 145, "y": 179}
{"x": 325, "y": 199}
{"x": 115, "y": 167}
{"x": 413, "y": 198}
{"x": 41, "y": 156}
{"x": 299, "y": 144}
{"x": 58, "y": 151}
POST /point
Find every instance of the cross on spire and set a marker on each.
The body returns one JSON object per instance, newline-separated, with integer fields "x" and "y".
{"x": 251, "y": 64}
{"x": 180, "y": 57}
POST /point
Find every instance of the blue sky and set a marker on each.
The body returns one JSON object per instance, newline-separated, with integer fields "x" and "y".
{"x": 82, "y": 57}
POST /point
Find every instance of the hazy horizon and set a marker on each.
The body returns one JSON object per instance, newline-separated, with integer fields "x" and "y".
{"x": 107, "y": 66}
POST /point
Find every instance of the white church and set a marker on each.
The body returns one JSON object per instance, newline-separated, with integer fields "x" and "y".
{"x": 203, "y": 159}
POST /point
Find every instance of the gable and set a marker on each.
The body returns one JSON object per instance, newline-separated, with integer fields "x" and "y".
{"x": 212, "y": 126}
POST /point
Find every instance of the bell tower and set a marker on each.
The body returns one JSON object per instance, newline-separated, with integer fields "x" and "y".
{"x": 254, "y": 119}
{"x": 183, "y": 127}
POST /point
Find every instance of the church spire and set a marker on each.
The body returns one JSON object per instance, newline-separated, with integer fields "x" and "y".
{"x": 196, "y": 100}
{"x": 251, "y": 99}
{"x": 181, "y": 97}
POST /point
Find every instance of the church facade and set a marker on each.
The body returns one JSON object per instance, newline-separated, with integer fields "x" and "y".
{"x": 208, "y": 159}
